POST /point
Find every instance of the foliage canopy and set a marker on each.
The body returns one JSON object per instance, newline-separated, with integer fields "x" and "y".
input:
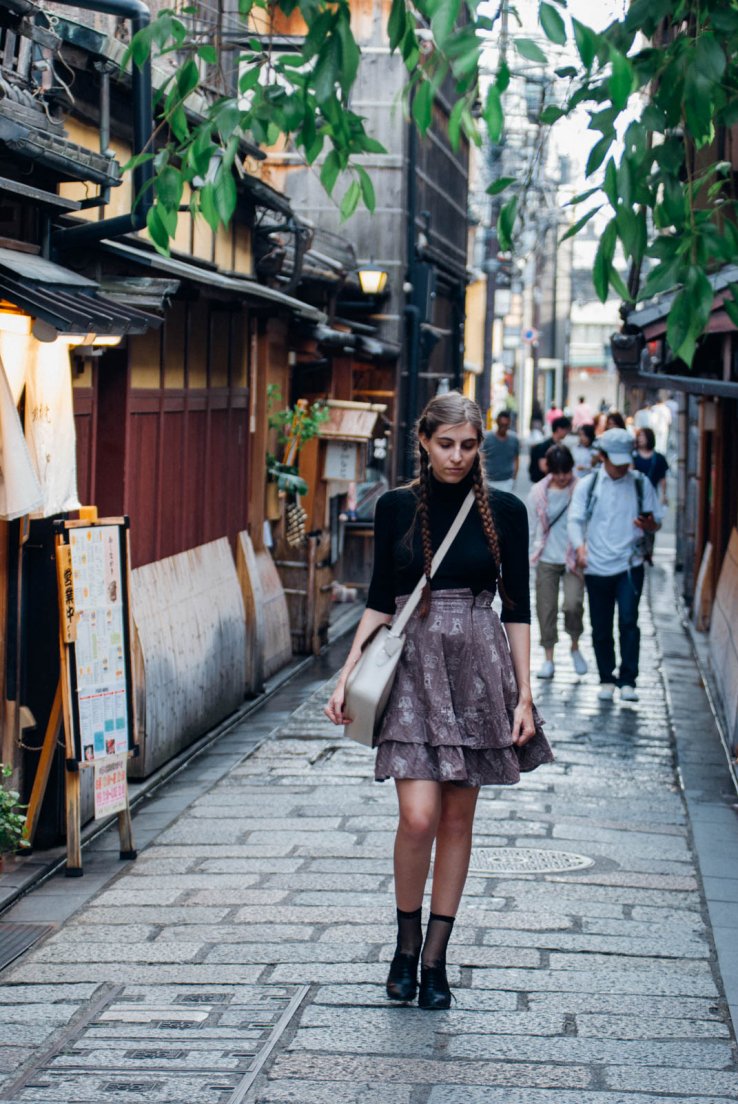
{"x": 659, "y": 89}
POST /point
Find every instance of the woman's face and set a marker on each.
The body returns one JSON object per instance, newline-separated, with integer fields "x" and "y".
{"x": 641, "y": 442}
{"x": 451, "y": 451}
{"x": 584, "y": 439}
{"x": 561, "y": 479}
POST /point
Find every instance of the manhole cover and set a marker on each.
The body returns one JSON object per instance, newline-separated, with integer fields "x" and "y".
{"x": 525, "y": 860}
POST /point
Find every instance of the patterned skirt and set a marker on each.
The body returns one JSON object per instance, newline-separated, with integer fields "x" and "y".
{"x": 450, "y": 713}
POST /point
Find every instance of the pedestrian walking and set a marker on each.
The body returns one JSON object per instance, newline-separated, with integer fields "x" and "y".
{"x": 650, "y": 462}
{"x": 501, "y": 454}
{"x": 560, "y": 428}
{"x": 553, "y": 556}
{"x": 554, "y": 411}
{"x": 611, "y": 514}
{"x": 460, "y": 714}
{"x": 583, "y": 452}
{"x": 582, "y": 414}
{"x": 614, "y": 420}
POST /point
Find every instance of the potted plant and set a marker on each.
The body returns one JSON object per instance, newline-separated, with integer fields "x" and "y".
{"x": 295, "y": 426}
{"x": 11, "y": 820}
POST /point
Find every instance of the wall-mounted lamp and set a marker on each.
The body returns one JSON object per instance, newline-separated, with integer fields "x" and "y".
{"x": 372, "y": 281}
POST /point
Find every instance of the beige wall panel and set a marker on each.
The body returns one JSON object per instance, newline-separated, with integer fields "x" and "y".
{"x": 189, "y": 617}
{"x": 723, "y": 646}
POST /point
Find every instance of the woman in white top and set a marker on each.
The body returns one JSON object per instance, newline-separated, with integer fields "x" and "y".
{"x": 583, "y": 450}
{"x": 548, "y": 505}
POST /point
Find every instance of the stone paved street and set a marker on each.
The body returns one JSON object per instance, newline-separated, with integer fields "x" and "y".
{"x": 242, "y": 957}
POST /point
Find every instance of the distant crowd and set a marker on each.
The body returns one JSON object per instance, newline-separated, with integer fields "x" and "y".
{"x": 599, "y": 490}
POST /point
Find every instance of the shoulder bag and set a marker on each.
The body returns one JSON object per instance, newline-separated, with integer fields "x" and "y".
{"x": 370, "y": 682}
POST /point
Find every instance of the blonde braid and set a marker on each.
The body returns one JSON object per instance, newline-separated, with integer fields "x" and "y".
{"x": 488, "y": 525}
{"x": 425, "y": 533}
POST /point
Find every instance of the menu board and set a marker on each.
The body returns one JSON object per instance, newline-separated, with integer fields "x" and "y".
{"x": 99, "y": 655}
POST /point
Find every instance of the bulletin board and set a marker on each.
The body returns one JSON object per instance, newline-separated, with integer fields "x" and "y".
{"x": 93, "y": 574}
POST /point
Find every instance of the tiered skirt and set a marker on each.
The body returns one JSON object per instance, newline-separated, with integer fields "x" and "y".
{"x": 450, "y": 714}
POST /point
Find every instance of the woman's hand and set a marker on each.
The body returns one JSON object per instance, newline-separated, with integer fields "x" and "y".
{"x": 334, "y": 709}
{"x": 524, "y": 728}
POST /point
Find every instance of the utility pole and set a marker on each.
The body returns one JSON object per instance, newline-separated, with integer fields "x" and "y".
{"x": 491, "y": 249}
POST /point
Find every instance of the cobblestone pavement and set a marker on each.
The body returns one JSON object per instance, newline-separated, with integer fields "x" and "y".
{"x": 241, "y": 959}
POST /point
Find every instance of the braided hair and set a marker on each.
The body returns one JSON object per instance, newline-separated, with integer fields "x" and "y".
{"x": 452, "y": 409}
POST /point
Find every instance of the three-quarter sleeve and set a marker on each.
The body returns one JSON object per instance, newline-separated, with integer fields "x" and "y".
{"x": 381, "y": 596}
{"x": 515, "y": 562}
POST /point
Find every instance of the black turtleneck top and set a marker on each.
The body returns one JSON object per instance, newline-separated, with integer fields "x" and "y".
{"x": 398, "y": 558}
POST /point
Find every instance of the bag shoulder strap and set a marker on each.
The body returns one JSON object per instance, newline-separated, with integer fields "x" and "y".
{"x": 409, "y": 608}
{"x": 589, "y": 508}
{"x": 639, "y": 489}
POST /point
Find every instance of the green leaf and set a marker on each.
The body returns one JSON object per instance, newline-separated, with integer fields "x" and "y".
{"x": 207, "y": 206}
{"x": 506, "y": 224}
{"x": 586, "y": 41}
{"x": 134, "y": 162}
{"x": 187, "y": 79}
{"x": 327, "y": 70}
{"x": 661, "y": 278}
{"x": 528, "y": 49}
{"x": 444, "y": 19}
{"x": 566, "y": 71}
{"x": 225, "y": 195}
{"x": 610, "y": 184}
{"x": 454, "y": 123}
{"x": 603, "y": 261}
{"x": 552, "y": 23}
{"x": 159, "y": 235}
{"x": 350, "y": 54}
{"x": 350, "y": 201}
{"x": 500, "y": 185}
{"x": 329, "y": 171}
{"x": 249, "y": 79}
{"x": 653, "y": 118}
{"x": 208, "y": 54}
{"x": 502, "y": 80}
{"x": 169, "y": 185}
{"x": 367, "y": 189}
{"x": 573, "y": 230}
{"x": 397, "y": 23}
{"x": 621, "y": 80}
{"x": 493, "y": 113}
{"x": 551, "y": 114}
{"x": 598, "y": 153}
{"x": 710, "y": 57}
{"x": 422, "y": 109}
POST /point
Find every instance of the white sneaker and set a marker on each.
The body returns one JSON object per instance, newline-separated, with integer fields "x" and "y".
{"x": 628, "y": 693}
{"x": 606, "y": 691}
{"x": 580, "y": 663}
{"x": 546, "y": 670}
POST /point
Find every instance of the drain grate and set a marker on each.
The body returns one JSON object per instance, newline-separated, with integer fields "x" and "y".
{"x": 15, "y": 939}
{"x": 210, "y": 1052}
{"x": 525, "y": 860}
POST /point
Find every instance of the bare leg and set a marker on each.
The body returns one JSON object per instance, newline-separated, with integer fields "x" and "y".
{"x": 453, "y": 847}
{"x": 420, "y": 811}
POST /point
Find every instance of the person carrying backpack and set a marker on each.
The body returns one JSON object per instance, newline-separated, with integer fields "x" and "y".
{"x": 613, "y": 516}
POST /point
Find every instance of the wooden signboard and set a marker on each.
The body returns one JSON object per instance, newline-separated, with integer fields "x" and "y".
{"x": 94, "y": 703}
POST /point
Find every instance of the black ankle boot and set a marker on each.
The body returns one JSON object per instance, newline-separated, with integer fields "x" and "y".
{"x": 434, "y": 991}
{"x": 402, "y": 980}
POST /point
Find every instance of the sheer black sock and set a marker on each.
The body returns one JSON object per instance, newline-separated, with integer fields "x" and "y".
{"x": 409, "y": 932}
{"x": 437, "y": 936}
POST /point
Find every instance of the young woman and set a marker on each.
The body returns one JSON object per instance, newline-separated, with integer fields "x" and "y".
{"x": 548, "y": 507}
{"x": 653, "y": 464}
{"x": 583, "y": 451}
{"x": 461, "y": 714}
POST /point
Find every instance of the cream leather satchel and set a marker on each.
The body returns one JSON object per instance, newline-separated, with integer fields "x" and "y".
{"x": 369, "y": 685}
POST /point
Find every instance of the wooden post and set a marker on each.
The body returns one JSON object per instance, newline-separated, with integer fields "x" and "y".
{"x": 46, "y": 758}
{"x": 125, "y": 832}
{"x": 74, "y": 831}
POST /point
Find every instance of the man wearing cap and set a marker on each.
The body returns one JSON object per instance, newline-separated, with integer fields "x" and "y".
{"x": 608, "y": 517}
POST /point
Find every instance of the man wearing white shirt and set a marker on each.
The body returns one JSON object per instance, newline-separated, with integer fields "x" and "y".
{"x": 608, "y": 518}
